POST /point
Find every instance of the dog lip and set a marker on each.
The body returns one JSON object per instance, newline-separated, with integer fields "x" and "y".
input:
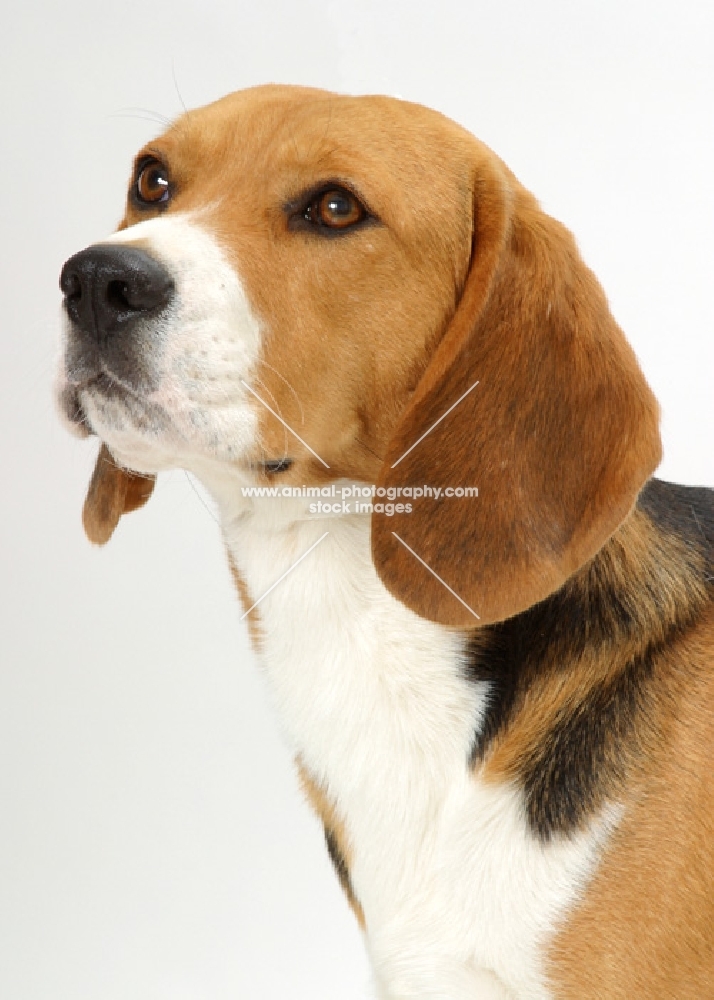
{"x": 102, "y": 381}
{"x": 274, "y": 466}
{"x": 72, "y": 410}
{"x": 108, "y": 383}
{"x": 78, "y": 380}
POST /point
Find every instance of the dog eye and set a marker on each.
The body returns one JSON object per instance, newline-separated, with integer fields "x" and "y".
{"x": 336, "y": 208}
{"x": 152, "y": 183}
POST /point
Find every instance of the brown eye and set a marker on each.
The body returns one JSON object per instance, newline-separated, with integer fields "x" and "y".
{"x": 152, "y": 184}
{"x": 335, "y": 209}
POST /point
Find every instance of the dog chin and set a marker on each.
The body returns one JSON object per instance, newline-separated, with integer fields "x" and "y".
{"x": 131, "y": 448}
{"x": 144, "y": 439}
{"x": 131, "y": 452}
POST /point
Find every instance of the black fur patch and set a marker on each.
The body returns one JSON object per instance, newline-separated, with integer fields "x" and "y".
{"x": 340, "y": 865}
{"x": 684, "y": 511}
{"x": 568, "y": 775}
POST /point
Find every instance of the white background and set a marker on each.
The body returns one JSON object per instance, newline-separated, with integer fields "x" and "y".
{"x": 153, "y": 843}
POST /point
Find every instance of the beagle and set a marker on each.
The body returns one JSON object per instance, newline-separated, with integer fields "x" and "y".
{"x": 502, "y": 704}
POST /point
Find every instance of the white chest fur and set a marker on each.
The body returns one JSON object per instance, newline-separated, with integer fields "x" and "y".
{"x": 459, "y": 898}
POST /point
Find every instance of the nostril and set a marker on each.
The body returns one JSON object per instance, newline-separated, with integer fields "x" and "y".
{"x": 74, "y": 299}
{"x": 118, "y": 296}
{"x": 71, "y": 285}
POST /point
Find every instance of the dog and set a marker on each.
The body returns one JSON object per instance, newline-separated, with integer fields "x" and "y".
{"x": 494, "y": 659}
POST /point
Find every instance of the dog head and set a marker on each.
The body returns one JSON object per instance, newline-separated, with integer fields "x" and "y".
{"x": 318, "y": 287}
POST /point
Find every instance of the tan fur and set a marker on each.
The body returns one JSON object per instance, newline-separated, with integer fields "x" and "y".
{"x": 335, "y": 834}
{"x": 637, "y": 552}
{"x": 247, "y": 602}
{"x": 665, "y": 840}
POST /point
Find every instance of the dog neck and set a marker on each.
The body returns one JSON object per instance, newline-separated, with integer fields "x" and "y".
{"x": 329, "y": 629}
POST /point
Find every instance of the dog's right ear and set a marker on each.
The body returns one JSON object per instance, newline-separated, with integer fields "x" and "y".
{"x": 113, "y": 491}
{"x": 534, "y": 397}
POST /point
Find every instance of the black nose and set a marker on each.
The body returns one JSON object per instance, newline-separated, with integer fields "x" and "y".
{"x": 108, "y": 288}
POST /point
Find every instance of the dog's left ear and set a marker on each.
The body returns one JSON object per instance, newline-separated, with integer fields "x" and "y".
{"x": 558, "y": 436}
{"x": 113, "y": 491}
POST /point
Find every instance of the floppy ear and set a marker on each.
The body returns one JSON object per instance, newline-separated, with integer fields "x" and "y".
{"x": 558, "y": 436}
{"x": 113, "y": 491}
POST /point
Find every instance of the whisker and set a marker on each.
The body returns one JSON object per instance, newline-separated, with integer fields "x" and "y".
{"x": 173, "y": 74}
{"x": 144, "y": 114}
